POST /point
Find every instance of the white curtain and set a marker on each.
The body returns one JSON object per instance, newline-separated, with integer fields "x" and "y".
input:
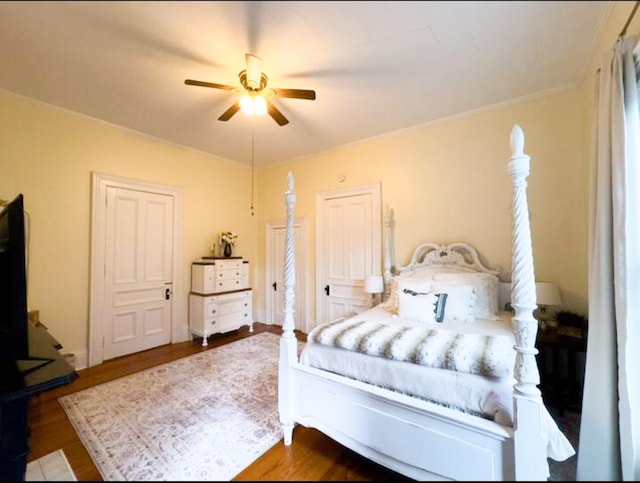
{"x": 609, "y": 446}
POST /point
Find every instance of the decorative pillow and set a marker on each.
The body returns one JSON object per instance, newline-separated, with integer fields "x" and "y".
{"x": 400, "y": 283}
{"x": 485, "y": 286}
{"x": 421, "y": 306}
{"x": 460, "y": 300}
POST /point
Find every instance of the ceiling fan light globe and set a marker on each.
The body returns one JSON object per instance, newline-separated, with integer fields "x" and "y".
{"x": 246, "y": 104}
{"x": 259, "y": 105}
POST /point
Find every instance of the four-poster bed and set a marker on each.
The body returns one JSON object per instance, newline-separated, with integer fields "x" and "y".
{"x": 436, "y": 383}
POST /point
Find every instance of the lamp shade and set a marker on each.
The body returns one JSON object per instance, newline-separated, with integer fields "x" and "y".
{"x": 373, "y": 284}
{"x": 547, "y": 293}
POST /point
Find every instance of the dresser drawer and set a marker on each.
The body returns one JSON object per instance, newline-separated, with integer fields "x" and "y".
{"x": 233, "y": 321}
{"x": 212, "y": 325}
{"x": 203, "y": 278}
{"x": 233, "y": 306}
{"x": 211, "y": 308}
{"x": 226, "y": 285}
{"x": 228, "y": 264}
{"x": 229, "y": 274}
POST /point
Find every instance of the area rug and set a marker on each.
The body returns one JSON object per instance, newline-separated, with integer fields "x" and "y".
{"x": 204, "y": 417}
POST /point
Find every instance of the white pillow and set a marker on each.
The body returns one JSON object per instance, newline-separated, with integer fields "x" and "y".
{"x": 460, "y": 301}
{"x": 399, "y": 283}
{"x": 485, "y": 286}
{"x": 421, "y": 307}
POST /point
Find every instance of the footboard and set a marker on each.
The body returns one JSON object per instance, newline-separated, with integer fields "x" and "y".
{"x": 416, "y": 438}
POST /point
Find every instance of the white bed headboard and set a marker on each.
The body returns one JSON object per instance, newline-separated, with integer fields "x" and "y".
{"x": 454, "y": 254}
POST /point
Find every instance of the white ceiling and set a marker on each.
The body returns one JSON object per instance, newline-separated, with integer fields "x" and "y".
{"x": 376, "y": 67}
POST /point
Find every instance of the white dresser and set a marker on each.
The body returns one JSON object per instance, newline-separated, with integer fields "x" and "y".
{"x": 220, "y": 298}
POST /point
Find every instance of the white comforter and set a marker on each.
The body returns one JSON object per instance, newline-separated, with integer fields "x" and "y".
{"x": 488, "y": 397}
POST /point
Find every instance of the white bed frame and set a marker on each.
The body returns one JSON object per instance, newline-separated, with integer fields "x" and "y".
{"x": 414, "y": 437}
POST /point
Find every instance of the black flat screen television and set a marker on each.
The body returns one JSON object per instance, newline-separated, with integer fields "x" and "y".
{"x": 14, "y": 330}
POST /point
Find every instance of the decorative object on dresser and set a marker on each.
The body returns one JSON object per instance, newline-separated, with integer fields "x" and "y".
{"x": 547, "y": 293}
{"x": 227, "y": 242}
{"x": 220, "y": 298}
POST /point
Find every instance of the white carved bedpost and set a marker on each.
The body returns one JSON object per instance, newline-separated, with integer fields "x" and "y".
{"x": 288, "y": 341}
{"x": 389, "y": 250}
{"x": 529, "y": 445}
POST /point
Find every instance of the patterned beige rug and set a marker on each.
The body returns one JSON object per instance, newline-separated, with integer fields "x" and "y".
{"x": 204, "y": 417}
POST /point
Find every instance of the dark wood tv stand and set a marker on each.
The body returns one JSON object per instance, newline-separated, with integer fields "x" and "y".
{"x": 49, "y": 370}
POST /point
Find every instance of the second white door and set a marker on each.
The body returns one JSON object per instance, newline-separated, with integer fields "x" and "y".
{"x": 349, "y": 240}
{"x": 275, "y": 241}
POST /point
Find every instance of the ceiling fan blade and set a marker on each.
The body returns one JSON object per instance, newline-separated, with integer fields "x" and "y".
{"x": 192, "y": 82}
{"x": 276, "y": 114}
{"x": 296, "y": 93}
{"x": 226, "y": 115}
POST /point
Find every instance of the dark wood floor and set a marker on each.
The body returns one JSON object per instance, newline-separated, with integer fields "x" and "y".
{"x": 311, "y": 456}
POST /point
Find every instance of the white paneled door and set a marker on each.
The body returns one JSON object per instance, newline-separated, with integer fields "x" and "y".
{"x": 275, "y": 241}
{"x": 349, "y": 243}
{"x": 138, "y": 271}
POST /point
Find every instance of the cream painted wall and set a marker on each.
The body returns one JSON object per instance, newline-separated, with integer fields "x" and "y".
{"x": 445, "y": 181}
{"x": 448, "y": 181}
{"x": 48, "y": 154}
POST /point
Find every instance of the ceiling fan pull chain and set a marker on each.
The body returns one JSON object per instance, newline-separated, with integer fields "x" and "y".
{"x": 253, "y": 124}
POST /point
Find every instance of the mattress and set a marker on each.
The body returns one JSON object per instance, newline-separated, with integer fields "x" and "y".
{"x": 490, "y": 398}
{"x": 487, "y": 397}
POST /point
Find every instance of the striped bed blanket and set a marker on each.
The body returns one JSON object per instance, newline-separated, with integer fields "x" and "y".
{"x": 485, "y": 355}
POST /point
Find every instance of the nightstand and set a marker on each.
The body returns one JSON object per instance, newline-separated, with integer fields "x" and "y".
{"x": 558, "y": 360}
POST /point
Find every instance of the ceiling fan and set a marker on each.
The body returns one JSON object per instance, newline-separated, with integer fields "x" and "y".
{"x": 256, "y": 98}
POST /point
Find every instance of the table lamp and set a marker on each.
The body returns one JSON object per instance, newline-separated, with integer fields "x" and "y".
{"x": 373, "y": 284}
{"x": 547, "y": 293}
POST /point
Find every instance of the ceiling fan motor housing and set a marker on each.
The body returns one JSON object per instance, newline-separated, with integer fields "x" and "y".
{"x": 253, "y": 73}
{"x": 253, "y": 86}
